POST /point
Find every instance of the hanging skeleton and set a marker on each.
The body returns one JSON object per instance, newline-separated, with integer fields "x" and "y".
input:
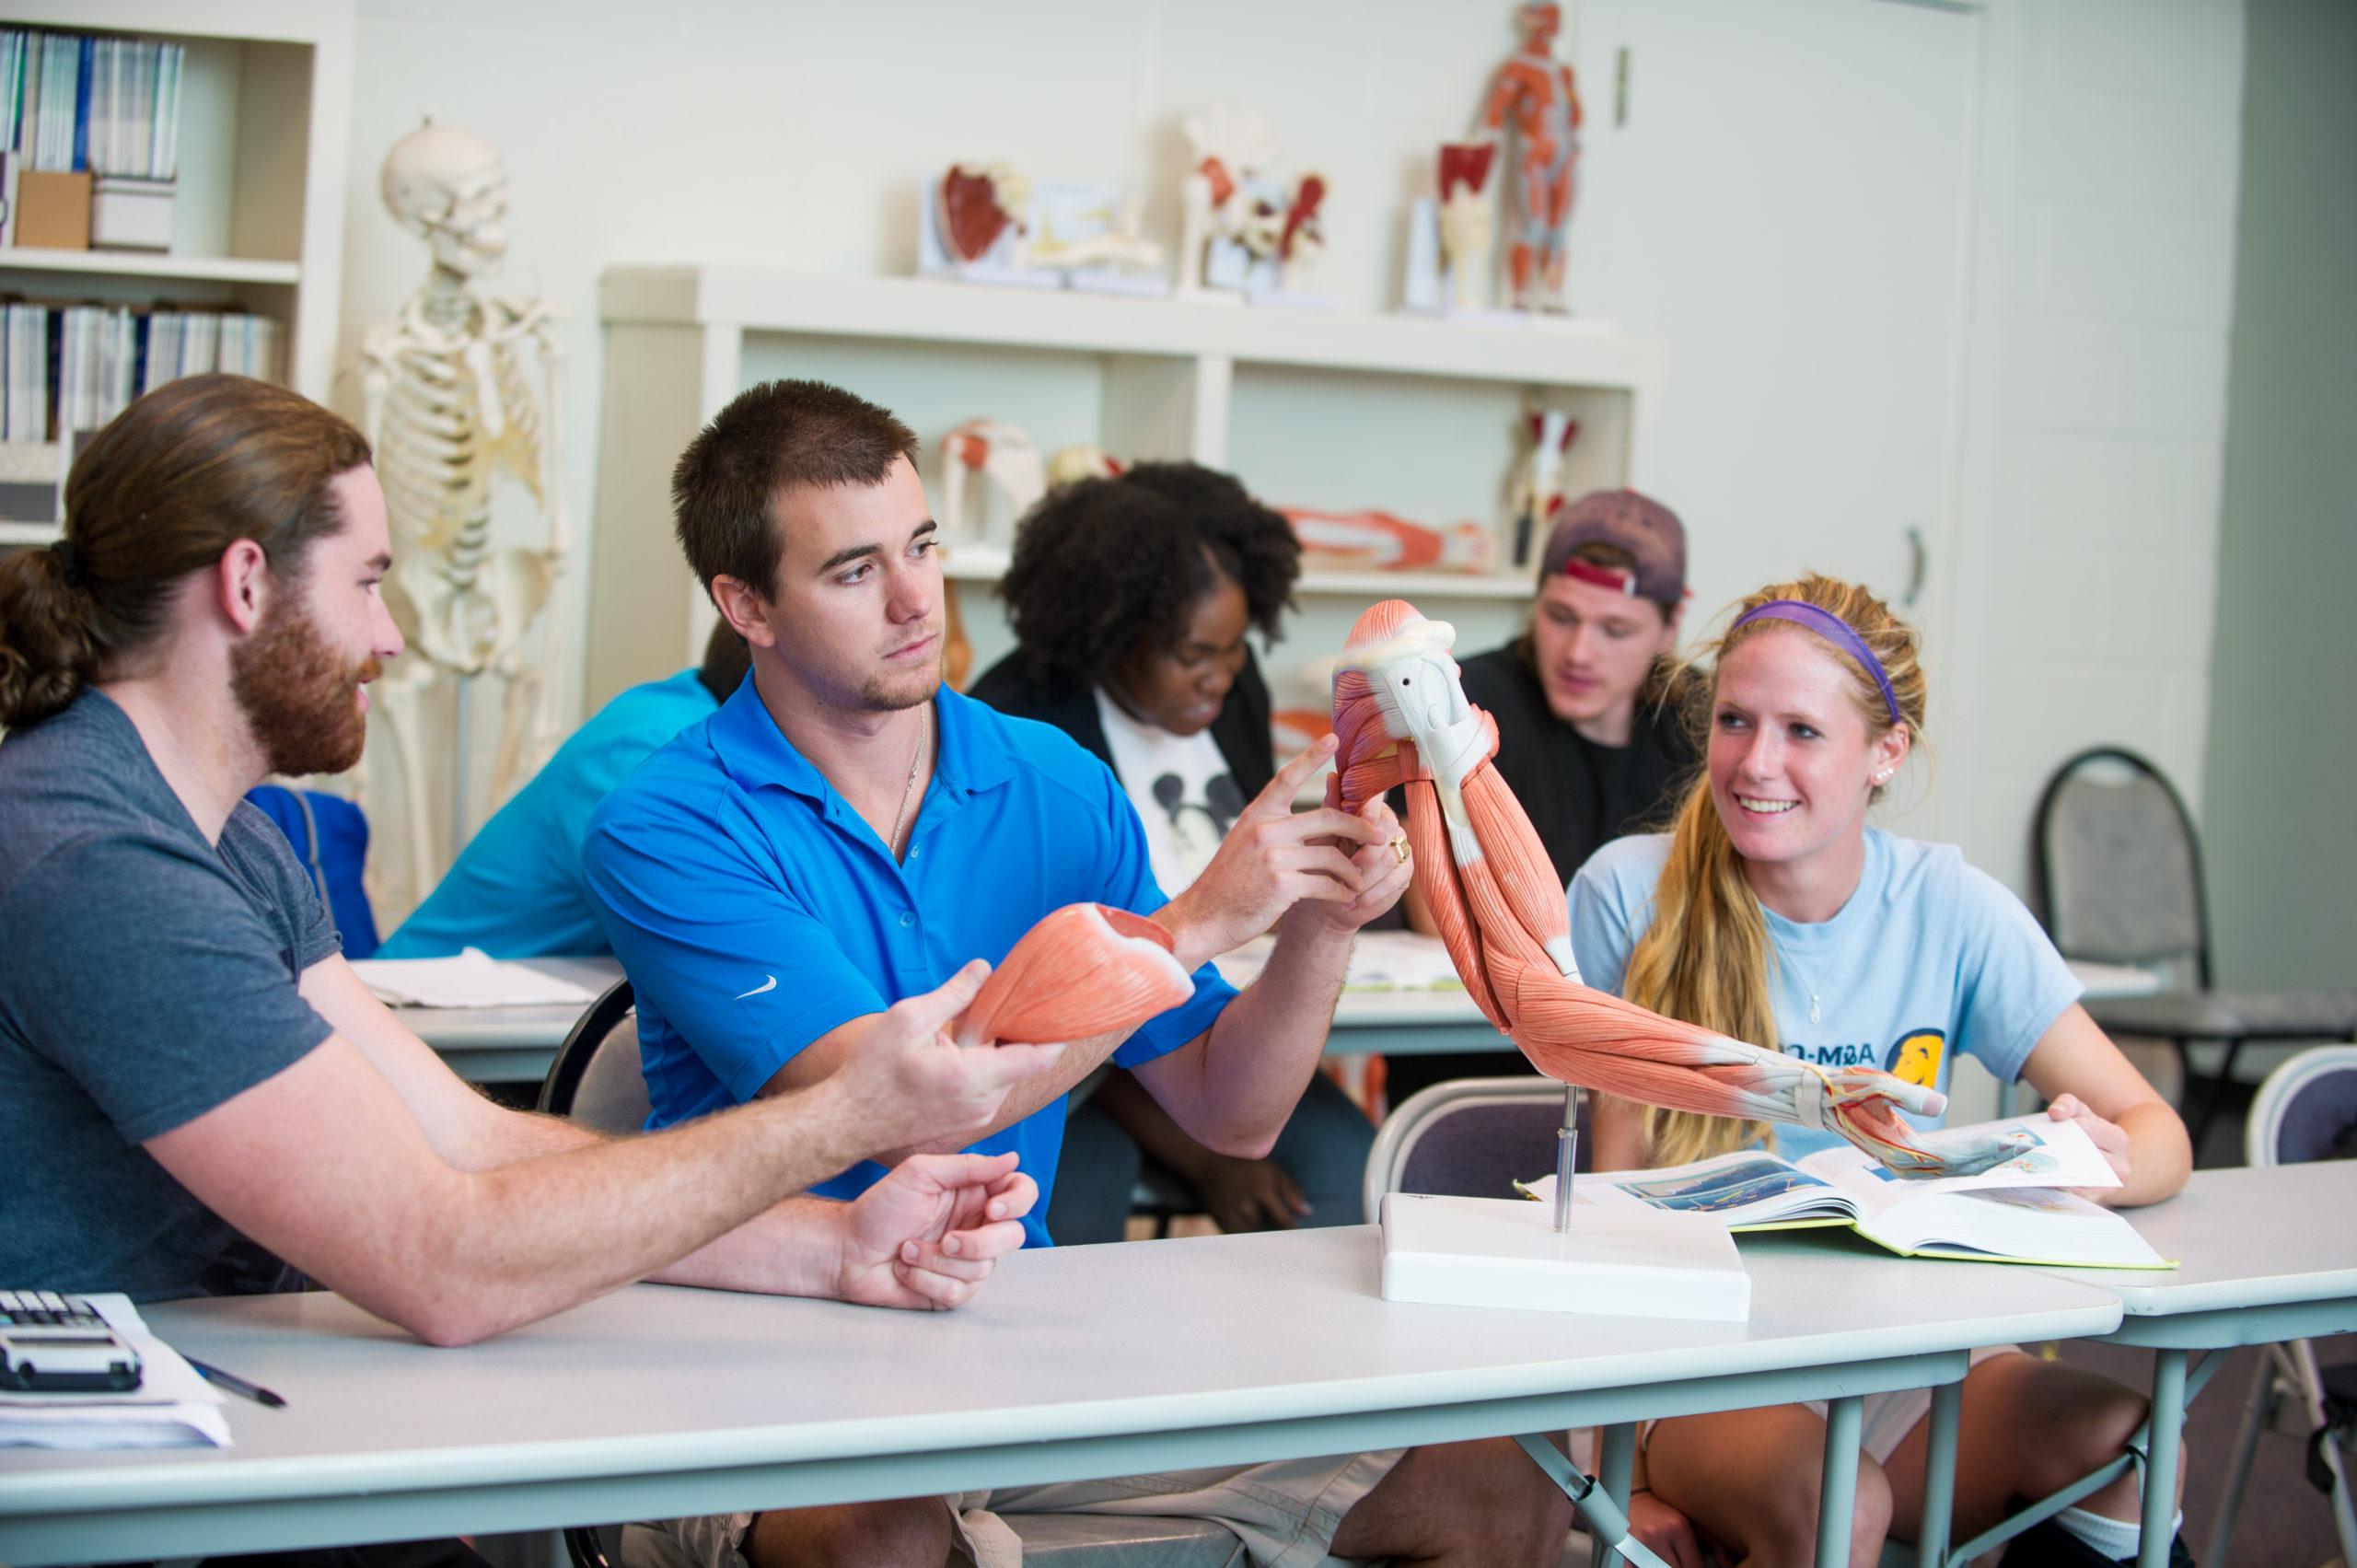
{"x": 1401, "y": 715}
{"x": 451, "y": 411}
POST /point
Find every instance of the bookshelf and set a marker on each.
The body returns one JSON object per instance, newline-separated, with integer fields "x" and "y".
{"x": 1325, "y": 409}
{"x": 258, "y": 212}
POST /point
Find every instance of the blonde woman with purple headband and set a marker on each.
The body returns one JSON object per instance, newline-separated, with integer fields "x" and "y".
{"x": 1774, "y": 913}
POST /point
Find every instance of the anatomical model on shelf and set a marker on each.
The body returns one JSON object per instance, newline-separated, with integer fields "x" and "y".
{"x": 991, "y": 475}
{"x": 1242, "y": 228}
{"x": 1072, "y": 464}
{"x": 1371, "y": 540}
{"x": 1467, "y": 220}
{"x": 989, "y": 223}
{"x": 1401, "y": 715}
{"x": 1537, "y": 492}
{"x": 1447, "y": 268}
{"x": 451, "y": 410}
{"x": 1532, "y": 98}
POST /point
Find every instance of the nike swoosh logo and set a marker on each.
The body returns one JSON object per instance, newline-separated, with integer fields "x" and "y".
{"x": 769, "y": 983}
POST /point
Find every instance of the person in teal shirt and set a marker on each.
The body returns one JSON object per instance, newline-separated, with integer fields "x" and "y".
{"x": 516, "y": 890}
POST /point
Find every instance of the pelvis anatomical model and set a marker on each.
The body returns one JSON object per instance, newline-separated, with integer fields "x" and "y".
{"x": 1401, "y": 715}
{"x": 1086, "y": 970}
{"x": 1229, "y": 199}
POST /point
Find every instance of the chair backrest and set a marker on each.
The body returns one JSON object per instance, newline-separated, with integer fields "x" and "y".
{"x": 596, "y": 1078}
{"x": 2116, "y": 868}
{"x": 330, "y": 838}
{"x": 2305, "y": 1110}
{"x": 1470, "y": 1138}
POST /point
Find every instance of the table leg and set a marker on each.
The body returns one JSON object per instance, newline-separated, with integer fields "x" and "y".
{"x": 2160, "y": 1458}
{"x": 1616, "y": 1464}
{"x": 1592, "y": 1502}
{"x": 1939, "y": 1477}
{"x": 1837, "y": 1497}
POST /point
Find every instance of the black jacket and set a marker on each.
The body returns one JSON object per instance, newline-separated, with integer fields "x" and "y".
{"x": 1579, "y": 795}
{"x": 1241, "y": 731}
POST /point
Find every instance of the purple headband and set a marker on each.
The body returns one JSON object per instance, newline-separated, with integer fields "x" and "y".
{"x": 1834, "y": 630}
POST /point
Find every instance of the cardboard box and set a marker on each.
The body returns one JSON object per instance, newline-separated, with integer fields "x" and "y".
{"x": 131, "y": 215}
{"x": 53, "y": 211}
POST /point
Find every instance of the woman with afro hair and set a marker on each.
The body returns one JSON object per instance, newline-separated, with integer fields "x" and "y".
{"x": 1131, "y": 597}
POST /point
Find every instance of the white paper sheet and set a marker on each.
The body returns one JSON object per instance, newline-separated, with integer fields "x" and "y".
{"x": 470, "y": 979}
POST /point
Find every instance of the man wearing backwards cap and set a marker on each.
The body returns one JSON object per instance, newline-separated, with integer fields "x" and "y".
{"x": 1586, "y": 739}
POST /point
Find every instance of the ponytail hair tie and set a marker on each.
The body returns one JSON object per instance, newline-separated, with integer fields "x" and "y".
{"x": 69, "y": 565}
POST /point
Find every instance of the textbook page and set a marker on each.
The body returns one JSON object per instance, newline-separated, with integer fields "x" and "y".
{"x": 2019, "y": 1151}
{"x": 1750, "y": 1190}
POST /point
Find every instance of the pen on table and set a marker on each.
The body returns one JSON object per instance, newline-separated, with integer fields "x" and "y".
{"x": 234, "y": 1383}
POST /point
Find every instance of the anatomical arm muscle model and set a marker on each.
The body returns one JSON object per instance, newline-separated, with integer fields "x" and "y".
{"x": 1402, "y": 717}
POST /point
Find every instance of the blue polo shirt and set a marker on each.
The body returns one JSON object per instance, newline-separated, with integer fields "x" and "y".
{"x": 755, "y": 911}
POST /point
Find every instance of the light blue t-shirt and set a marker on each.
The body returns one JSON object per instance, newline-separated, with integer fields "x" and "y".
{"x": 754, "y": 911}
{"x": 1929, "y": 957}
{"x": 517, "y": 892}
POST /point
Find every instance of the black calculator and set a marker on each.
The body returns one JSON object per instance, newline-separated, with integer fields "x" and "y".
{"x": 52, "y": 1343}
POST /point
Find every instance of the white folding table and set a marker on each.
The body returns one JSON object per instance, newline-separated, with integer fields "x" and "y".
{"x": 493, "y": 1045}
{"x": 1072, "y": 1362}
{"x": 2264, "y": 1254}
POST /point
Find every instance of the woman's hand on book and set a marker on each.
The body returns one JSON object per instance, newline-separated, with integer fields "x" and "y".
{"x": 2111, "y": 1140}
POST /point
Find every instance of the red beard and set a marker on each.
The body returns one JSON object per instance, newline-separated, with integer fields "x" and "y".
{"x": 299, "y": 696}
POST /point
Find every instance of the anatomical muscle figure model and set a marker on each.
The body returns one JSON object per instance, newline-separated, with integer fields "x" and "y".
{"x": 1401, "y": 715}
{"x": 1533, "y": 94}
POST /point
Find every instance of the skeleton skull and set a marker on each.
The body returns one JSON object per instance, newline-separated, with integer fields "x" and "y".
{"x": 449, "y": 187}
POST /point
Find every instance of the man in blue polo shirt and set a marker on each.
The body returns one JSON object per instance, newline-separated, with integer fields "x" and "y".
{"x": 847, "y": 832}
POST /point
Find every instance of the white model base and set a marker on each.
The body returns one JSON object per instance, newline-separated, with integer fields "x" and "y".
{"x": 1631, "y": 1262}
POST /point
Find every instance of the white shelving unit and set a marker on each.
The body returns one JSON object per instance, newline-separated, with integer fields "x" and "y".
{"x": 1318, "y": 409}
{"x": 258, "y": 215}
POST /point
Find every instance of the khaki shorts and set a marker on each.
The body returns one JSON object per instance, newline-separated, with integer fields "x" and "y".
{"x": 1285, "y": 1513}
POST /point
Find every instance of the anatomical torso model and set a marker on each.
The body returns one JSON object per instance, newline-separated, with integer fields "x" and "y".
{"x": 1533, "y": 98}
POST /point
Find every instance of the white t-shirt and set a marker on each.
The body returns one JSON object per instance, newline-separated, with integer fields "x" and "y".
{"x": 1929, "y": 957}
{"x": 1181, "y": 788}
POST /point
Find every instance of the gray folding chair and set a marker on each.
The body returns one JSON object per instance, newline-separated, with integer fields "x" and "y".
{"x": 1469, "y": 1138}
{"x": 2117, "y": 874}
{"x": 596, "y": 1081}
{"x": 2305, "y": 1110}
{"x": 595, "y": 1078}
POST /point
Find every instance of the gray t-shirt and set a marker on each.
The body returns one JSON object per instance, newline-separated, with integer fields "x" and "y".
{"x": 146, "y": 977}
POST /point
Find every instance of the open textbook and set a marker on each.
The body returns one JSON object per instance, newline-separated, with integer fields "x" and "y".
{"x": 2014, "y": 1211}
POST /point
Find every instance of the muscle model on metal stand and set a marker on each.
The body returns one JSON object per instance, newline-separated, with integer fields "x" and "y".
{"x": 449, "y": 409}
{"x": 1401, "y": 715}
{"x": 1533, "y": 96}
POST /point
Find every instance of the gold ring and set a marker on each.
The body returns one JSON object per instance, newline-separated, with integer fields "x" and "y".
{"x": 1399, "y": 847}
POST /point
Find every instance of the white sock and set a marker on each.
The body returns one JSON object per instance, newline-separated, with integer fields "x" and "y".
{"x": 2116, "y": 1538}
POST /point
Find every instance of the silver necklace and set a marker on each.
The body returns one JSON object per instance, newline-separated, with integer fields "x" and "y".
{"x": 916, "y": 756}
{"x": 1832, "y": 962}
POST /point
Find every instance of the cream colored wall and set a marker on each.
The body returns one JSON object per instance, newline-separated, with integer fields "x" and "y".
{"x": 2282, "y": 857}
{"x": 2078, "y": 427}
